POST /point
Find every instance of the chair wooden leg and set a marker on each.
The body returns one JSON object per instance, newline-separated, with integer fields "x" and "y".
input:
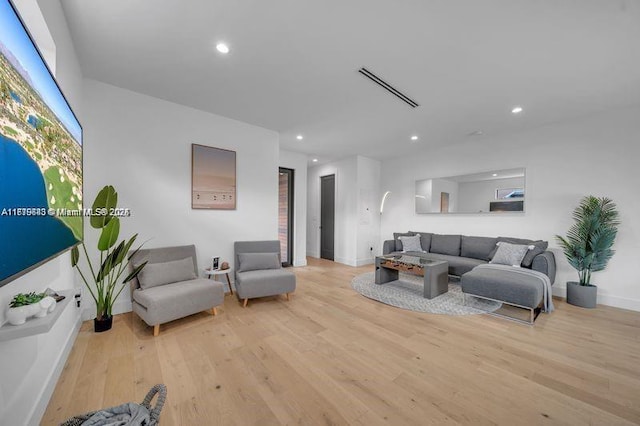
{"x": 156, "y": 330}
{"x": 288, "y": 297}
{"x": 214, "y": 311}
{"x": 244, "y": 304}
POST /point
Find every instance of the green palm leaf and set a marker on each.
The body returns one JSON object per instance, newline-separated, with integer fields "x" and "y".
{"x": 588, "y": 243}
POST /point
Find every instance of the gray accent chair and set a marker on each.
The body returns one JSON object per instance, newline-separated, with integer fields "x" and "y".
{"x": 255, "y": 283}
{"x": 168, "y": 302}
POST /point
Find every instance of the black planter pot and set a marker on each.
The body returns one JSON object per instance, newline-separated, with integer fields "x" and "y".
{"x": 585, "y": 296}
{"x": 100, "y": 325}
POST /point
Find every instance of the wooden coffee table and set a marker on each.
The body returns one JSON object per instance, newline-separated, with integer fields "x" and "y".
{"x": 435, "y": 272}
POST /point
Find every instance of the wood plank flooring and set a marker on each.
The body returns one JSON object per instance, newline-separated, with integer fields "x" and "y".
{"x": 331, "y": 356}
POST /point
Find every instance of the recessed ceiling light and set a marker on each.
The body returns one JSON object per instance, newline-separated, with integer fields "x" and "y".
{"x": 222, "y": 48}
{"x": 494, "y": 175}
{"x": 414, "y": 138}
{"x": 315, "y": 160}
{"x": 299, "y": 137}
{"x": 476, "y": 133}
{"x": 516, "y": 110}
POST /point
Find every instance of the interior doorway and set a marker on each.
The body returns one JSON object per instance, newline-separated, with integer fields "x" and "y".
{"x": 327, "y": 216}
{"x": 285, "y": 215}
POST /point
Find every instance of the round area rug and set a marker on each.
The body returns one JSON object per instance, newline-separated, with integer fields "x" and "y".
{"x": 406, "y": 293}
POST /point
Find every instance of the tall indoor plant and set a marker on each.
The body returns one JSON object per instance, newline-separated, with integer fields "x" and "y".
{"x": 587, "y": 246}
{"x": 104, "y": 280}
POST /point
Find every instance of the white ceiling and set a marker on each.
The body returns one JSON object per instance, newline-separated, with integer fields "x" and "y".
{"x": 293, "y": 64}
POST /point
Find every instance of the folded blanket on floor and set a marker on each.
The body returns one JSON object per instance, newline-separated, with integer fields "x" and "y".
{"x": 129, "y": 414}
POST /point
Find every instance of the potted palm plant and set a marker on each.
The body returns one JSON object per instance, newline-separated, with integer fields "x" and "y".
{"x": 104, "y": 279}
{"x": 587, "y": 246}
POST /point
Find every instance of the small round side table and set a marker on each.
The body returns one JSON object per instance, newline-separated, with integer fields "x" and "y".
{"x": 212, "y": 273}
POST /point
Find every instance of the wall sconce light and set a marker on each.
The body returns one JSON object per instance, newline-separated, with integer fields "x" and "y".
{"x": 384, "y": 198}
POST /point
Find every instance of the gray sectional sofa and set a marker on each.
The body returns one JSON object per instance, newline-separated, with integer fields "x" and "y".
{"x": 465, "y": 253}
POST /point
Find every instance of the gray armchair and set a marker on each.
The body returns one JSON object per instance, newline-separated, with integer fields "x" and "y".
{"x": 168, "y": 288}
{"x": 259, "y": 272}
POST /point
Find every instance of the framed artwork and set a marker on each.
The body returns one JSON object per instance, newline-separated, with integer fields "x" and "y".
{"x": 213, "y": 178}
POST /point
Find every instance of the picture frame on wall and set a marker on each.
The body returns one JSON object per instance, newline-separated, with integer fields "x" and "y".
{"x": 213, "y": 178}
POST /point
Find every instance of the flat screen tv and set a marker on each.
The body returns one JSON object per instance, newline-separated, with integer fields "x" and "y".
{"x": 40, "y": 156}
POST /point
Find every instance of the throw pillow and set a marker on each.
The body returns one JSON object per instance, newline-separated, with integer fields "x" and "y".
{"x": 425, "y": 240}
{"x": 539, "y": 247}
{"x": 510, "y": 254}
{"x": 258, "y": 261}
{"x": 411, "y": 243}
{"x": 396, "y": 238}
{"x": 155, "y": 274}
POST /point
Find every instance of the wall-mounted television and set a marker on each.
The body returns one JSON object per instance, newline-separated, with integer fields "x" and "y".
{"x": 40, "y": 156}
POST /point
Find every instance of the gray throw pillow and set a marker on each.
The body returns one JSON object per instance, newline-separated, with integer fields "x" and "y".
{"x": 539, "y": 246}
{"x": 411, "y": 243}
{"x": 397, "y": 235}
{"x": 425, "y": 240}
{"x": 258, "y": 261}
{"x": 155, "y": 274}
{"x": 510, "y": 254}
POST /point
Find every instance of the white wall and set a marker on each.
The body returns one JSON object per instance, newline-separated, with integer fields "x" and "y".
{"x": 142, "y": 146}
{"x": 31, "y": 366}
{"x": 298, "y": 162}
{"x": 345, "y": 209}
{"x": 368, "y": 210}
{"x": 356, "y": 209}
{"x": 595, "y": 155}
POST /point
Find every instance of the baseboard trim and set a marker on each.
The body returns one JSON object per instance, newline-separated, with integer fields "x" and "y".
{"x": 345, "y": 261}
{"x": 52, "y": 380}
{"x": 604, "y": 299}
{"x": 365, "y": 261}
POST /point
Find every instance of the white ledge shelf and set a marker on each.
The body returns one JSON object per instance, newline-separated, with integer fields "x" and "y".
{"x": 35, "y": 326}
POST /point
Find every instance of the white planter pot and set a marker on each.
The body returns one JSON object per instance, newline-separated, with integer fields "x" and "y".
{"x": 19, "y": 315}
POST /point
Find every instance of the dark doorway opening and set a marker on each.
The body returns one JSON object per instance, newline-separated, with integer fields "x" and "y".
{"x": 285, "y": 215}
{"x": 327, "y": 216}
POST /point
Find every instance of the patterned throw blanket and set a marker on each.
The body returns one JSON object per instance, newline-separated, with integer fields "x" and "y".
{"x": 544, "y": 280}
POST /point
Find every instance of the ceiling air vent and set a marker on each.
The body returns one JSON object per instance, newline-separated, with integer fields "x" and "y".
{"x": 395, "y": 92}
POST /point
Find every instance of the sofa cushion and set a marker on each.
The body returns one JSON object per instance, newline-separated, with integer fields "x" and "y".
{"x": 268, "y": 282}
{"x": 161, "y": 273}
{"x": 510, "y": 254}
{"x": 477, "y": 247}
{"x": 539, "y": 247}
{"x": 425, "y": 240}
{"x": 258, "y": 261}
{"x": 445, "y": 244}
{"x": 401, "y": 234}
{"x": 168, "y": 302}
{"x": 517, "y": 289}
{"x": 411, "y": 243}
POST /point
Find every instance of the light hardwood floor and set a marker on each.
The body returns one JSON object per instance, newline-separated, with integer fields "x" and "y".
{"x": 331, "y": 356}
